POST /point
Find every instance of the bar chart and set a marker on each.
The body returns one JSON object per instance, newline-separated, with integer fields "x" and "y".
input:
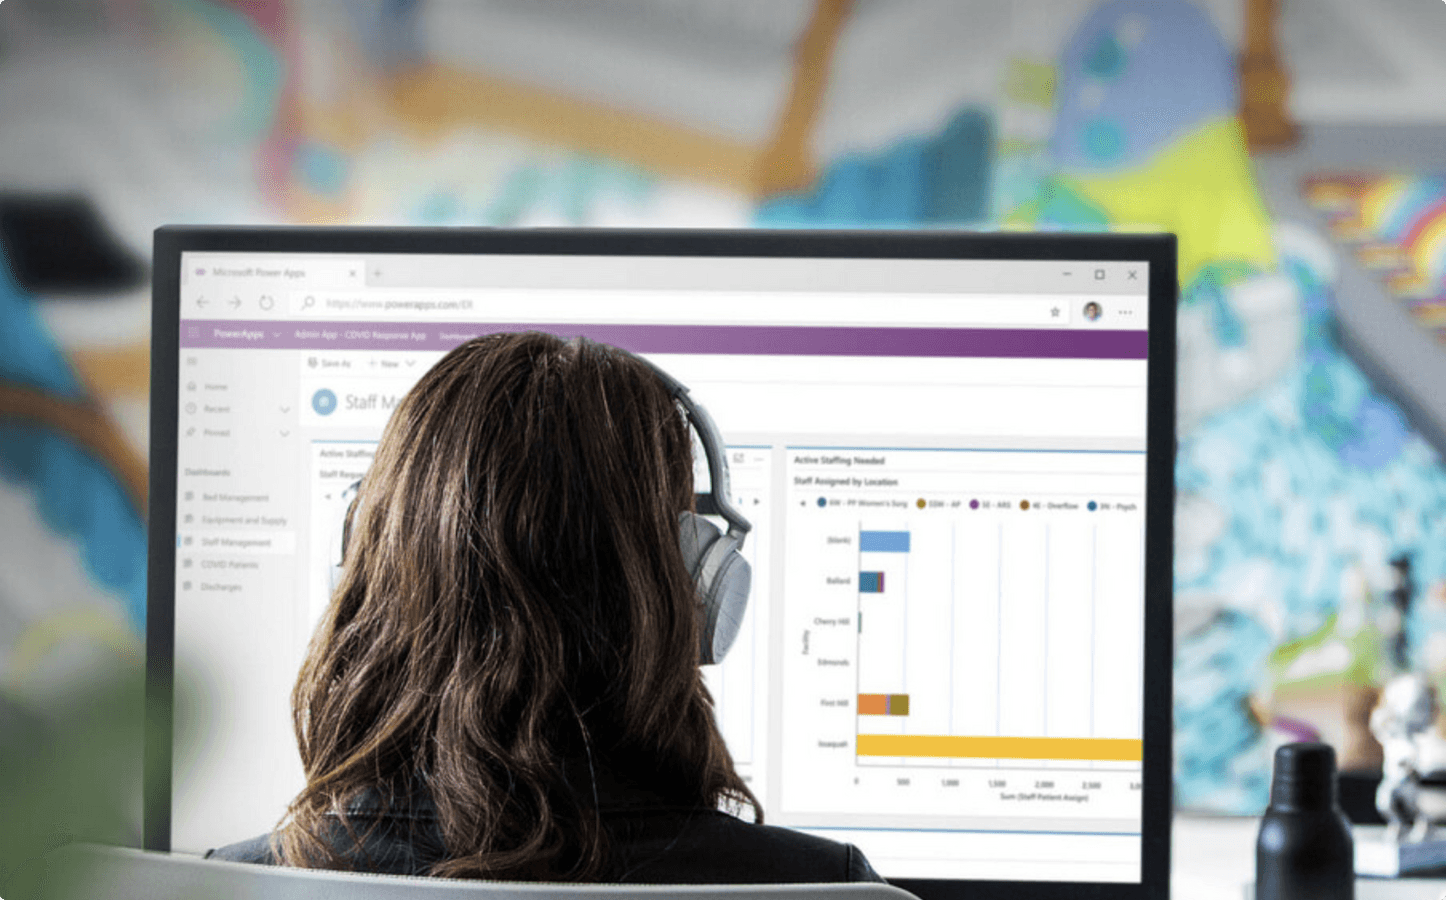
{"x": 1000, "y": 639}
{"x": 962, "y": 637}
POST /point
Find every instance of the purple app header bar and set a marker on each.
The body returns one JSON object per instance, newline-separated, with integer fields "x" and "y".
{"x": 768, "y": 340}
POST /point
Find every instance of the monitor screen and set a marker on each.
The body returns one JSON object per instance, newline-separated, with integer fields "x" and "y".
{"x": 944, "y": 461}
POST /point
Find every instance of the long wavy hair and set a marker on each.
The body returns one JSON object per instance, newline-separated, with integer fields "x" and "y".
{"x": 514, "y": 610}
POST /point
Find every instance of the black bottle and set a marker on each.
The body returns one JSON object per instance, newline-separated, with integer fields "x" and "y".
{"x": 1304, "y": 851}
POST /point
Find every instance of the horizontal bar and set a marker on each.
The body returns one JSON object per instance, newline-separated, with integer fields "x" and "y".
{"x": 884, "y": 541}
{"x": 871, "y": 582}
{"x": 873, "y": 704}
{"x": 748, "y": 340}
{"x": 883, "y": 704}
{"x": 893, "y": 309}
{"x": 964, "y": 747}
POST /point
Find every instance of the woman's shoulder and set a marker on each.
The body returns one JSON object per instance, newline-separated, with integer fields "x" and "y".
{"x": 708, "y": 847}
{"x": 253, "y": 850}
{"x": 389, "y": 844}
{"x": 650, "y": 846}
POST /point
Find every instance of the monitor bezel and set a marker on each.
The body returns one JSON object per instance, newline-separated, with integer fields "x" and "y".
{"x": 1158, "y": 250}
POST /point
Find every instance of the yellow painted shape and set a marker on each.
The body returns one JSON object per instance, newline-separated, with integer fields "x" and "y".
{"x": 115, "y": 372}
{"x": 1202, "y": 189}
{"x": 963, "y": 747}
{"x": 1430, "y": 246}
{"x": 1028, "y": 81}
{"x": 94, "y": 625}
{"x": 1379, "y": 200}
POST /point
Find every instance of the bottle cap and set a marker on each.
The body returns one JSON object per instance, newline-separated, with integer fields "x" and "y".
{"x": 1305, "y": 776}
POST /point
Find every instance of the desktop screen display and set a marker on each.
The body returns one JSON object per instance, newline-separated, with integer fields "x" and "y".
{"x": 944, "y": 461}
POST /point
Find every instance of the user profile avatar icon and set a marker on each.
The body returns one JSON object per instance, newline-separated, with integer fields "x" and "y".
{"x": 1093, "y": 311}
{"x": 323, "y": 402}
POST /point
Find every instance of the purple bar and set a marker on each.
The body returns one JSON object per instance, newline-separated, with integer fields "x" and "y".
{"x": 698, "y": 339}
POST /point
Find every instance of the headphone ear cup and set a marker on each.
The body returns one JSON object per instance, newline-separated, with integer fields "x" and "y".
{"x": 723, "y": 578}
{"x": 726, "y": 600}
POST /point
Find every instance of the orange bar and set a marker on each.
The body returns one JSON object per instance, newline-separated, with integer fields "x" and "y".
{"x": 960, "y": 747}
{"x": 883, "y": 704}
{"x": 873, "y": 704}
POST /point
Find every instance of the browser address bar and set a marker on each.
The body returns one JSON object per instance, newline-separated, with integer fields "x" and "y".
{"x": 686, "y": 307}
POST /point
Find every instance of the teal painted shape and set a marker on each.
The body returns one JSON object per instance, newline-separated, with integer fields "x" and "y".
{"x": 1209, "y": 288}
{"x": 77, "y": 496}
{"x": 942, "y": 179}
{"x": 1104, "y": 141}
{"x": 439, "y": 208}
{"x": 264, "y": 72}
{"x": 520, "y": 192}
{"x": 1107, "y": 59}
{"x": 1063, "y": 208}
{"x": 321, "y": 169}
{"x": 1216, "y": 669}
{"x": 1312, "y": 473}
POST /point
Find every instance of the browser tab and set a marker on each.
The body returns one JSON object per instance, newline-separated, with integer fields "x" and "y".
{"x": 231, "y": 271}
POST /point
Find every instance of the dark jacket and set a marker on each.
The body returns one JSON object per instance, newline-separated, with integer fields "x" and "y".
{"x": 653, "y": 843}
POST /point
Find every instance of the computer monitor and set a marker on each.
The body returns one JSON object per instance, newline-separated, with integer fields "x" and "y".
{"x": 956, "y": 450}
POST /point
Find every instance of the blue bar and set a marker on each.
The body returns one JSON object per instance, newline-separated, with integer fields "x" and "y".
{"x": 884, "y": 541}
{"x": 871, "y": 582}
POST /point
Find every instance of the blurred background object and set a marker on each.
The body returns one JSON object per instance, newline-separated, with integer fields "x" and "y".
{"x": 1298, "y": 148}
{"x": 62, "y": 773}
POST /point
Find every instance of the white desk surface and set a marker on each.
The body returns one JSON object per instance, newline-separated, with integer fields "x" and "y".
{"x": 1214, "y": 859}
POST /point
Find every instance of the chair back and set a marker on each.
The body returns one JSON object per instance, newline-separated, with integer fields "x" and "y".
{"x": 116, "y": 873}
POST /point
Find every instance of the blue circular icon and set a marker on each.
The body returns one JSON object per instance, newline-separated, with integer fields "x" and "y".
{"x": 324, "y": 402}
{"x": 823, "y": 501}
{"x": 1094, "y": 506}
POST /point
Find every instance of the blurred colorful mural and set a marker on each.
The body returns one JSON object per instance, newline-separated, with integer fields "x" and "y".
{"x": 1311, "y": 552}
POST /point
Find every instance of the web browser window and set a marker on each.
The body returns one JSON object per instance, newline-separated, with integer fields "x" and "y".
{"x": 944, "y": 461}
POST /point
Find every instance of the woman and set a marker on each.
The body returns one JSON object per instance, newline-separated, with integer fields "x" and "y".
{"x": 506, "y": 684}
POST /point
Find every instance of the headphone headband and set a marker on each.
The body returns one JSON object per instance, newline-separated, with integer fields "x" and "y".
{"x": 712, "y": 440}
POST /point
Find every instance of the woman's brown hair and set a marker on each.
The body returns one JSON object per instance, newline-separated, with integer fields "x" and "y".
{"x": 514, "y": 616}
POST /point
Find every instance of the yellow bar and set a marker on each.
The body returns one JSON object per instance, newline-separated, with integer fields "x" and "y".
{"x": 959, "y": 747}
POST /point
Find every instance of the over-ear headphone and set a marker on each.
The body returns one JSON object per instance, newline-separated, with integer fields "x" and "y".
{"x": 714, "y": 558}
